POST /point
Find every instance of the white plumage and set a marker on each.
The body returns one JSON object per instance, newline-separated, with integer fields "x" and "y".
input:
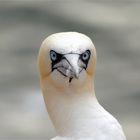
{"x": 67, "y": 66}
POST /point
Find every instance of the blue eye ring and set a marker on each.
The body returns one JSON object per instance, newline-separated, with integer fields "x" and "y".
{"x": 86, "y": 55}
{"x": 53, "y": 55}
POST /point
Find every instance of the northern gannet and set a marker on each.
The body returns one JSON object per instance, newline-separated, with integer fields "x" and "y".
{"x": 67, "y": 66}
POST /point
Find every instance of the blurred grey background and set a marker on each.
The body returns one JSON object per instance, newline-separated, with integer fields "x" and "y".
{"x": 114, "y": 27}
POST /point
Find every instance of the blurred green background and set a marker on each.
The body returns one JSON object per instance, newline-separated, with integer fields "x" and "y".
{"x": 114, "y": 27}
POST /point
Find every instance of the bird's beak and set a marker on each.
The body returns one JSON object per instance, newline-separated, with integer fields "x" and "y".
{"x": 69, "y": 66}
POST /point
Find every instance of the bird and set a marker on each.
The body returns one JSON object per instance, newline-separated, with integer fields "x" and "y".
{"x": 67, "y": 62}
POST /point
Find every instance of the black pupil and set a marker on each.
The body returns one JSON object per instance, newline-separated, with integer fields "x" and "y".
{"x": 85, "y": 55}
{"x": 54, "y": 56}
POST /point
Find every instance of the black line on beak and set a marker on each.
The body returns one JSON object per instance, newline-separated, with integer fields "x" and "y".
{"x": 61, "y": 73}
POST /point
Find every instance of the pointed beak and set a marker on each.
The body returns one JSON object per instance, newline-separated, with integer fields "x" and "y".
{"x": 74, "y": 68}
{"x": 69, "y": 66}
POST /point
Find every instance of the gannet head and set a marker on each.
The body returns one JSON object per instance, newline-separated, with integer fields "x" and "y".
{"x": 67, "y": 59}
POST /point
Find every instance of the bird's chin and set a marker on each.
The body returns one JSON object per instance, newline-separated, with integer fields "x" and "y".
{"x": 62, "y": 80}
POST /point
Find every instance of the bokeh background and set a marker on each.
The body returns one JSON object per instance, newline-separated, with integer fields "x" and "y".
{"x": 114, "y": 26}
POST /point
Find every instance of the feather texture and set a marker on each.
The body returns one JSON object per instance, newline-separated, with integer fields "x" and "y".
{"x": 68, "y": 90}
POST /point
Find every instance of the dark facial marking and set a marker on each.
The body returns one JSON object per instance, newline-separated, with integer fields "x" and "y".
{"x": 61, "y": 72}
{"x": 57, "y": 57}
{"x": 70, "y": 79}
{"x": 85, "y": 58}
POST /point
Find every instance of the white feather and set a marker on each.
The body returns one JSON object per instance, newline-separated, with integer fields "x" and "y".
{"x": 73, "y": 107}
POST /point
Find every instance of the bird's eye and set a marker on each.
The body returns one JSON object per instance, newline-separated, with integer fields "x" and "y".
{"x": 85, "y": 56}
{"x": 53, "y": 55}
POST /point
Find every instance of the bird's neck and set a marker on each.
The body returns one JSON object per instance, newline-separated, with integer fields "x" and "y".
{"x": 71, "y": 110}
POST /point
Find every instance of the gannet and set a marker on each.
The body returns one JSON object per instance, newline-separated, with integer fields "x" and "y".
{"x": 67, "y": 67}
